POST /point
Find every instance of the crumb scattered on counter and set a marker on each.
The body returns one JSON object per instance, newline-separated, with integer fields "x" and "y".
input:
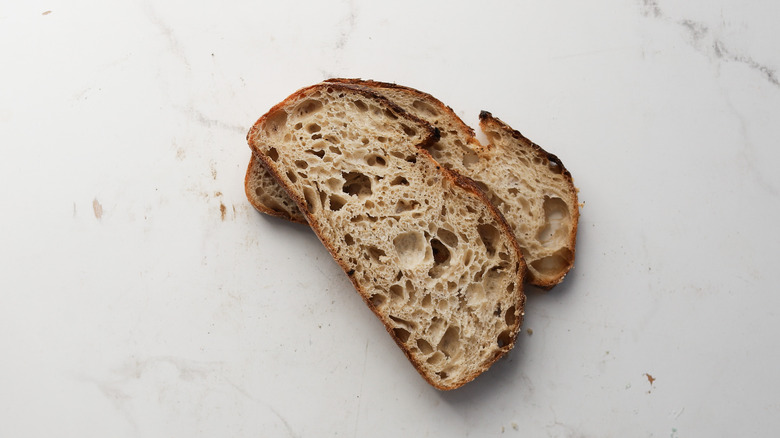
{"x": 529, "y": 331}
{"x": 97, "y": 208}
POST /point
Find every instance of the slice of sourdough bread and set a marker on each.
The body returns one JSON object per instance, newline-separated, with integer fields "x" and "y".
{"x": 529, "y": 186}
{"x": 431, "y": 257}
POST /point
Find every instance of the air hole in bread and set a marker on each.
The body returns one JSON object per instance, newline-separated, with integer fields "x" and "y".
{"x": 375, "y": 160}
{"x": 348, "y": 239}
{"x": 424, "y": 346}
{"x": 401, "y": 334}
{"x": 441, "y": 255}
{"x": 298, "y": 126}
{"x": 360, "y": 105}
{"x": 381, "y": 139}
{"x": 292, "y": 176}
{"x": 356, "y": 184}
{"x": 410, "y": 247}
{"x": 275, "y": 122}
{"x": 273, "y": 154}
{"x": 390, "y": 115}
{"x": 331, "y": 139}
{"x": 427, "y": 302}
{"x": 447, "y": 237}
{"x": 421, "y": 106}
{"x": 467, "y": 257}
{"x": 470, "y": 158}
{"x": 308, "y": 107}
{"x": 364, "y": 140}
{"x": 336, "y": 202}
{"x": 554, "y": 264}
{"x": 450, "y": 341}
{"x": 408, "y": 130}
{"x": 411, "y": 292}
{"x": 318, "y": 154}
{"x": 312, "y": 203}
{"x": 494, "y": 278}
{"x": 403, "y": 206}
{"x": 375, "y": 253}
{"x": 399, "y": 181}
{"x": 377, "y": 300}
{"x": 436, "y": 358}
{"x": 396, "y": 292}
{"x": 554, "y": 166}
{"x": 301, "y": 164}
{"x": 316, "y": 136}
{"x": 442, "y": 375}
{"x": 411, "y": 158}
{"x": 404, "y": 323}
{"x": 556, "y": 214}
{"x": 489, "y": 236}
{"x": 510, "y": 316}
{"x": 334, "y": 150}
{"x": 504, "y": 339}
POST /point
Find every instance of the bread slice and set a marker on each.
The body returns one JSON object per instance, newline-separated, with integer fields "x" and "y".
{"x": 536, "y": 194}
{"x": 531, "y": 187}
{"x": 431, "y": 257}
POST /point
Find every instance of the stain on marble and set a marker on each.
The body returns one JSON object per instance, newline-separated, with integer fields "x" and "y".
{"x": 350, "y": 20}
{"x": 97, "y": 208}
{"x": 165, "y": 29}
{"x": 208, "y": 122}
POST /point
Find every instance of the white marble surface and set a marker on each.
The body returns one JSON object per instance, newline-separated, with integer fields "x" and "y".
{"x": 141, "y": 296}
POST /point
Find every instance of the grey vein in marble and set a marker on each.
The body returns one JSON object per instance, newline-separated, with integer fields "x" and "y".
{"x": 173, "y": 42}
{"x": 209, "y": 122}
{"x": 707, "y": 42}
{"x": 351, "y": 20}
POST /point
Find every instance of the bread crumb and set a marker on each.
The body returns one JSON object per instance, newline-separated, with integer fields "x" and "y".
{"x": 650, "y": 378}
{"x": 97, "y": 208}
{"x": 46, "y": 13}
{"x": 515, "y": 426}
{"x": 529, "y": 331}
{"x": 222, "y": 210}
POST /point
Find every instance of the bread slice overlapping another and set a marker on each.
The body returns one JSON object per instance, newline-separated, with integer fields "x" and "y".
{"x": 426, "y": 250}
{"x": 531, "y": 187}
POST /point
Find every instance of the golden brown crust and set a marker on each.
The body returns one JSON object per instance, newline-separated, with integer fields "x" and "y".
{"x": 485, "y": 118}
{"x": 458, "y": 180}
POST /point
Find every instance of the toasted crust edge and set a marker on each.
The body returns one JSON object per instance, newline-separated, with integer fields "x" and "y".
{"x": 457, "y": 179}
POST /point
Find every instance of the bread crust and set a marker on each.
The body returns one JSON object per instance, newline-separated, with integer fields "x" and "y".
{"x": 464, "y": 183}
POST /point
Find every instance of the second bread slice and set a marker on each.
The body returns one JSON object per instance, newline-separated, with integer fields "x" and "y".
{"x": 428, "y": 253}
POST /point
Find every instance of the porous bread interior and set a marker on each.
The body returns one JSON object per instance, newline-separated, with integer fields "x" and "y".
{"x": 537, "y": 199}
{"x": 430, "y": 257}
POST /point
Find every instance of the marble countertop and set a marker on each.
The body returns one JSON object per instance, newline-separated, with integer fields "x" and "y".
{"x": 143, "y": 296}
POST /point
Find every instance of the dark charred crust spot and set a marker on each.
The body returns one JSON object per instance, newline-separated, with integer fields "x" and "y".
{"x": 485, "y": 115}
{"x": 351, "y": 272}
{"x": 436, "y": 133}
